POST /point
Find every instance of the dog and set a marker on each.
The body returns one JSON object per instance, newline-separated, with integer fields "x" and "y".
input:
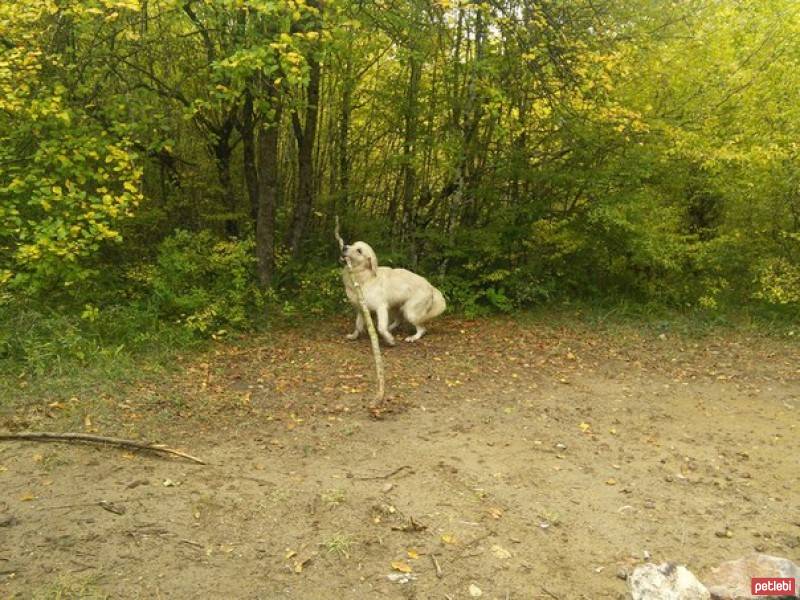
{"x": 389, "y": 292}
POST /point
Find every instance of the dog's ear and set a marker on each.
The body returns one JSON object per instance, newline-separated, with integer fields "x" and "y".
{"x": 372, "y": 260}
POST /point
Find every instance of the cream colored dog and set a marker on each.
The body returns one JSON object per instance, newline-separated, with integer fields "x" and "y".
{"x": 398, "y": 292}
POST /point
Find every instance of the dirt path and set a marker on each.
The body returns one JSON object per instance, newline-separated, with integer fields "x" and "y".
{"x": 535, "y": 462}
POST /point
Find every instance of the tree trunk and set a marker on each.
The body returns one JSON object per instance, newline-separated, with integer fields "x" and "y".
{"x": 344, "y": 139}
{"x": 248, "y": 132}
{"x": 306, "y": 136}
{"x": 471, "y": 120}
{"x": 410, "y": 143}
{"x": 269, "y": 192}
{"x": 222, "y": 158}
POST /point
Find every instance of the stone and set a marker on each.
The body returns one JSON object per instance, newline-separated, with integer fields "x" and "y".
{"x": 666, "y": 581}
{"x": 731, "y": 580}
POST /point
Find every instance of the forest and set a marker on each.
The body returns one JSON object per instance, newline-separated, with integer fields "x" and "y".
{"x": 173, "y": 167}
{"x": 605, "y": 192}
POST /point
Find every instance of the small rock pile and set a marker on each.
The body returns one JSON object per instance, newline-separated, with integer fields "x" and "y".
{"x": 728, "y": 581}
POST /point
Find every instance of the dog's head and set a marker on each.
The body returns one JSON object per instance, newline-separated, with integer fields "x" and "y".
{"x": 361, "y": 256}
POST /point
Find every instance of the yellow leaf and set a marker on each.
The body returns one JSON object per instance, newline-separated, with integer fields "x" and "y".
{"x": 300, "y": 563}
{"x": 399, "y": 565}
{"x": 413, "y": 554}
{"x": 28, "y": 497}
{"x": 495, "y": 512}
{"x": 448, "y": 538}
{"x": 585, "y": 427}
{"x": 611, "y": 481}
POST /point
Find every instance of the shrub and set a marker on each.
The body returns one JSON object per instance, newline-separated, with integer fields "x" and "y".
{"x": 206, "y": 283}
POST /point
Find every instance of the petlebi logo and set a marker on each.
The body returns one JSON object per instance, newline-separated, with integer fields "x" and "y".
{"x": 772, "y": 586}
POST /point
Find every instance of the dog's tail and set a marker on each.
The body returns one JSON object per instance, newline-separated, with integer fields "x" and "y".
{"x": 437, "y": 305}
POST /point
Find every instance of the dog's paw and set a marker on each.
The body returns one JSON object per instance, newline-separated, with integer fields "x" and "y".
{"x": 351, "y": 336}
{"x": 411, "y": 338}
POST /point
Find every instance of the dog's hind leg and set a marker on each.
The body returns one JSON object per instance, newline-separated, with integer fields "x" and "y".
{"x": 420, "y": 332}
{"x": 359, "y": 327}
{"x": 383, "y": 324}
{"x": 415, "y": 312}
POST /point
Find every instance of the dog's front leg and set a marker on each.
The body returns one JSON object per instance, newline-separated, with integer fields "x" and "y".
{"x": 359, "y": 327}
{"x": 383, "y": 324}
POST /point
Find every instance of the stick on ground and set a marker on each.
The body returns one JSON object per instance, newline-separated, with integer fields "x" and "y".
{"x": 436, "y": 565}
{"x": 44, "y": 436}
{"x": 395, "y": 472}
{"x": 373, "y": 335}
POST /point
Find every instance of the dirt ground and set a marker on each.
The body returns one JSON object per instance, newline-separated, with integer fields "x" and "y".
{"x": 526, "y": 460}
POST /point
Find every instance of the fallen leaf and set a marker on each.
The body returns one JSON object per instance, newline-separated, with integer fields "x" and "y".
{"x": 611, "y": 481}
{"x": 585, "y": 427}
{"x": 495, "y": 512}
{"x": 475, "y": 591}
{"x": 448, "y": 538}
{"x": 399, "y": 565}
{"x": 300, "y": 563}
{"x": 413, "y": 554}
{"x": 27, "y": 497}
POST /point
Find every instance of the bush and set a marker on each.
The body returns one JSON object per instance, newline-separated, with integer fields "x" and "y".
{"x": 313, "y": 288}
{"x": 205, "y": 283}
{"x": 779, "y": 282}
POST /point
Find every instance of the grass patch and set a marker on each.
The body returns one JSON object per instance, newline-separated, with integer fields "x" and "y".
{"x": 620, "y": 317}
{"x": 49, "y": 354}
{"x": 339, "y": 544}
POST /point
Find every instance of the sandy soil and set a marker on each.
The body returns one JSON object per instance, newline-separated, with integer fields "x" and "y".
{"x": 530, "y": 460}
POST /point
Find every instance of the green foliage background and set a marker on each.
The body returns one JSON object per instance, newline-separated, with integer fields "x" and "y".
{"x": 516, "y": 153}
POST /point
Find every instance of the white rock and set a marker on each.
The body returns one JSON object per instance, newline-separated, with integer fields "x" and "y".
{"x": 665, "y": 582}
{"x": 475, "y": 591}
{"x": 731, "y": 580}
{"x": 401, "y": 577}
